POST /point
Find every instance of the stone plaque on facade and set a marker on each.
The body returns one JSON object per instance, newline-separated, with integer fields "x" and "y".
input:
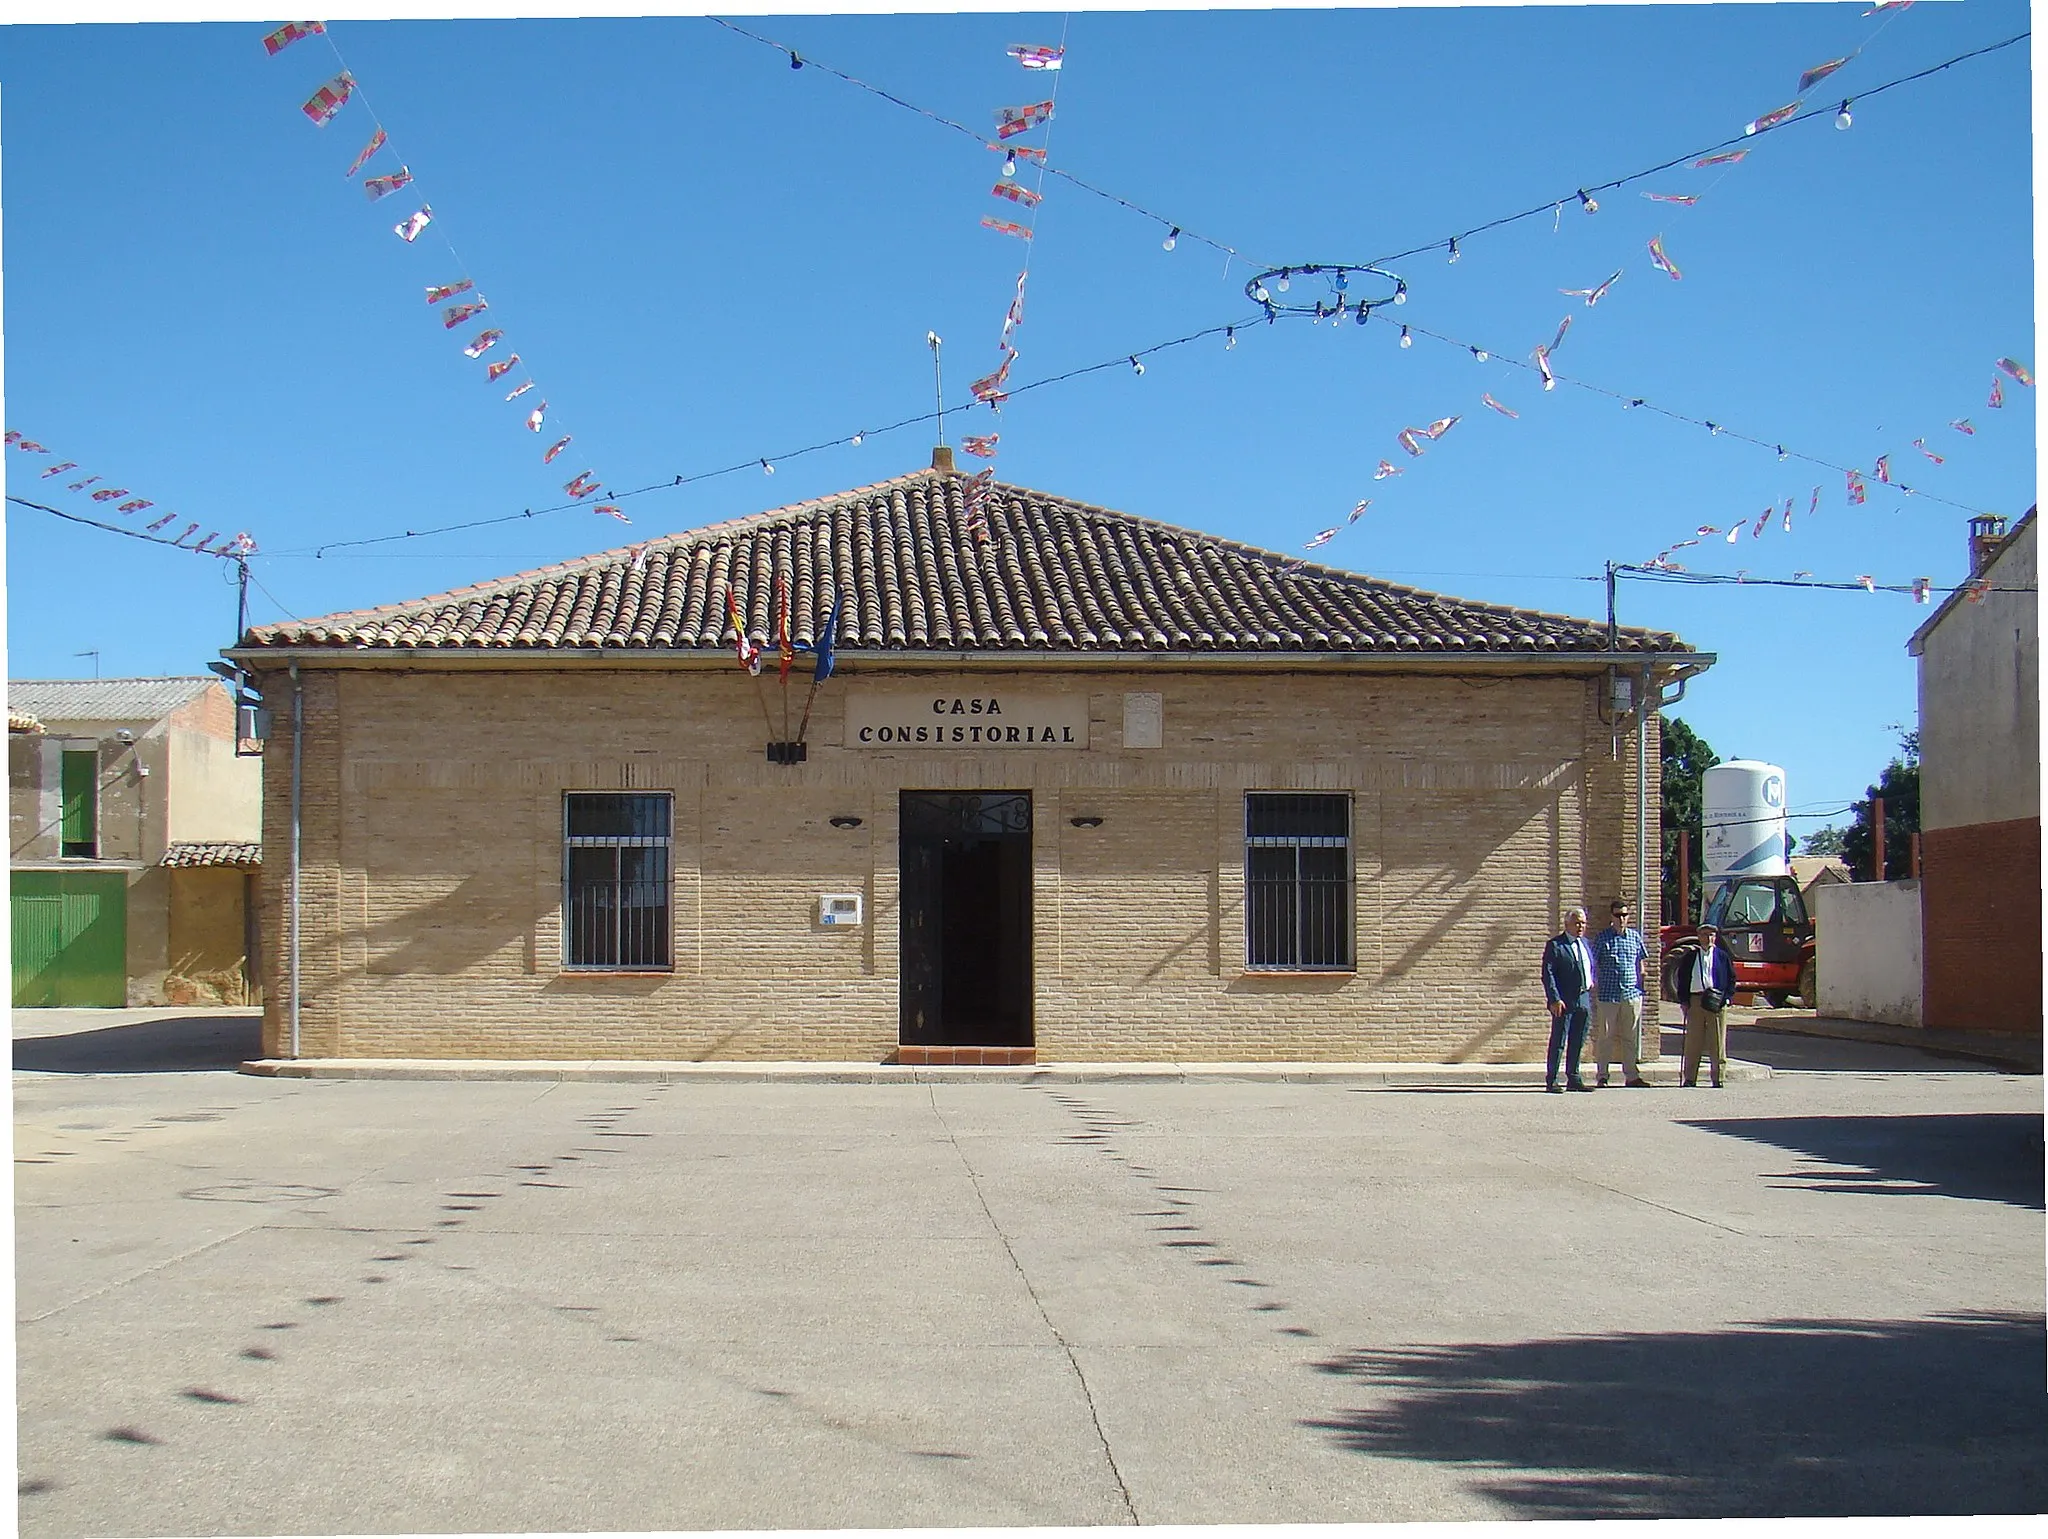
{"x": 965, "y": 716}
{"x": 1144, "y": 720}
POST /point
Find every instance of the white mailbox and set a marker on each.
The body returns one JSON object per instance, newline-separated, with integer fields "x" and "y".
{"x": 837, "y": 908}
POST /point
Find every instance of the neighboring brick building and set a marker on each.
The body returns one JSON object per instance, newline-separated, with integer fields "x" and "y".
{"x": 1235, "y": 811}
{"x": 1980, "y": 792}
{"x": 133, "y": 842}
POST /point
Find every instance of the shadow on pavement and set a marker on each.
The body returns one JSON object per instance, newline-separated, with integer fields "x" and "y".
{"x": 1786, "y": 1418}
{"x": 1987, "y": 1156}
{"x": 177, "y": 1045}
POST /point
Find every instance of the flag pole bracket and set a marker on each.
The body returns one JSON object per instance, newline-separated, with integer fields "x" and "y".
{"x": 788, "y": 753}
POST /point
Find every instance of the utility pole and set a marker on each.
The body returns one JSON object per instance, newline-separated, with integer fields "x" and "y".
{"x": 241, "y": 598}
{"x": 1613, "y": 631}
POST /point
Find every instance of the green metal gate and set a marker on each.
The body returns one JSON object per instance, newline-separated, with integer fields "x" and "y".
{"x": 70, "y": 931}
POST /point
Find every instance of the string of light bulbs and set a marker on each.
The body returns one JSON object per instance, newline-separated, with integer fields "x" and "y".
{"x": 1131, "y": 360}
{"x": 1176, "y": 230}
{"x": 1631, "y": 402}
{"x": 1586, "y": 196}
{"x": 1451, "y": 244}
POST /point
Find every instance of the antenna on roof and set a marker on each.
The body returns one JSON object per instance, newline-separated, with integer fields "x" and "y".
{"x": 938, "y": 384}
{"x": 95, "y": 656}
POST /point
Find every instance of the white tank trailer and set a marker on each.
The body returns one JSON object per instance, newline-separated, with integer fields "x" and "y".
{"x": 1742, "y": 821}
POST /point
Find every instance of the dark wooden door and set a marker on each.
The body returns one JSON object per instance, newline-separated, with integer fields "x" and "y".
{"x": 966, "y": 927}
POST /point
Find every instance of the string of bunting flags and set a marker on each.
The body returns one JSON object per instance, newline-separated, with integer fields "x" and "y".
{"x": 99, "y": 489}
{"x": 1413, "y": 440}
{"x": 1012, "y": 123}
{"x": 459, "y": 301}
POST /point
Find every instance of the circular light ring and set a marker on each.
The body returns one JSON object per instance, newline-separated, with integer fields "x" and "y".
{"x": 1264, "y": 291}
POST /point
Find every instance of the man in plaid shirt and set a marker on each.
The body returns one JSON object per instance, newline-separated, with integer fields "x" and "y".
{"x": 1619, "y": 957}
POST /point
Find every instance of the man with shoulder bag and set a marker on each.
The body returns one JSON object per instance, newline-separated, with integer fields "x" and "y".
{"x": 1706, "y": 982}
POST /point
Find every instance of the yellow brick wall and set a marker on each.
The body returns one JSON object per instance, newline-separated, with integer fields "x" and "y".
{"x": 432, "y": 863}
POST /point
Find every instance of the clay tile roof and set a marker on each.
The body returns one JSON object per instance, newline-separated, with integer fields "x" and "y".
{"x": 1052, "y": 575}
{"x": 213, "y": 853}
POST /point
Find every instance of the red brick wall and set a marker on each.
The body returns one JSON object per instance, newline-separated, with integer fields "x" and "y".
{"x": 1980, "y": 927}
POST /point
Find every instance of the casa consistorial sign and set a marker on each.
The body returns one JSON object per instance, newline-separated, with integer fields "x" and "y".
{"x": 965, "y": 716}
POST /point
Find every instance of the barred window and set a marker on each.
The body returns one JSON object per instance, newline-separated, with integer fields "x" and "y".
{"x": 1297, "y": 871}
{"x": 615, "y": 880}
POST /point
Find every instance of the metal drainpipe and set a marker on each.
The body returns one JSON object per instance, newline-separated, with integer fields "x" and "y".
{"x": 1643, "y": 804}
{"x": 298, "y": 760}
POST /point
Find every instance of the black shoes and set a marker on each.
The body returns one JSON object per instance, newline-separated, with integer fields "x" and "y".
{"x": 1578, "y": 1084}
{"x": 1553, "y": 1089}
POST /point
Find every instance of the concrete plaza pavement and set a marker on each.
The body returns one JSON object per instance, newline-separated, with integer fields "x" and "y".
{"x": 258, "y": 1305}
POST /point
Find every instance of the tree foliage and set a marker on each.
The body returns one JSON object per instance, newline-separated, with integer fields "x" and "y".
{"x": 1899, "y": 785}
{"x": 1824, "y": 841}
{"x": 1686, "y": 758}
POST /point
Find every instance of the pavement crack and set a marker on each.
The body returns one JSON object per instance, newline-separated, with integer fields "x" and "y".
{"x": 1123, "y": 1491}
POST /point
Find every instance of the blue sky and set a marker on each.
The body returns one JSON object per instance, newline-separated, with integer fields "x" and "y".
{"x": 704, "y": 257}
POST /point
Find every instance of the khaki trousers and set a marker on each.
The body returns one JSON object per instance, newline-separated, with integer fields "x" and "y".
{"x": 1706, "y": 1034}
{"x": 1618, "y": 1035}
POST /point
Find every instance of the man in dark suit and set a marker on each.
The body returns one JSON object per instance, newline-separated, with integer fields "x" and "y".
{"x": 1708, "y": 976}
{"x": 1568, "y": 975}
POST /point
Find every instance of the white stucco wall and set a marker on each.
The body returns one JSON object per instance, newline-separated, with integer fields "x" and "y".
{"x": 1867, "y": 951}
{"x": 213, "y": 794}
{"x": 1980, "y": 701}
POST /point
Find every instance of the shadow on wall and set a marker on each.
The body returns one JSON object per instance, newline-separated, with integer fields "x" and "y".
{"x": 1985, "y": 1156}
{"x": 1786, "y": 1418}
{"x": 178, "y": 1045}
{"x": 450, "y": 932}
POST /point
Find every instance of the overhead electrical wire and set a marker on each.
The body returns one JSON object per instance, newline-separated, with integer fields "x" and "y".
{"x": 800, "y": 61}
{"x": 133, "y": 534}
{"x": 1575, "y": 194}
{"x": 1642, "y": 403}
{"x": 755, "y": 462}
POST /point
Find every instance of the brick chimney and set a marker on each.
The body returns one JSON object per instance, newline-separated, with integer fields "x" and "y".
{"x": 942, "y": 459}
{"x": 1986, "y": 531}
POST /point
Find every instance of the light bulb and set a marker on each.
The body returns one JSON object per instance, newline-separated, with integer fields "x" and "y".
{"x": 1284, "y": 284}
{"x": 857, "y": 437}
{"x": 1259, "y": 293}
{"x": 1479, "y": 353}
{"x": 1172, "y": 236}
{"x": 1136, "y": 367}
{"x": 1590, "y": 204}
{"x": 794, "y": 61}
{"x": 1406, "y": 340}
{"x": 1400, "y": 292}
{"x": 1010, "y": 163}
{"x": 1342, "y": 281}
{"x": 767, "y": 469}
{"x": 1229, "y": 338}
{"x": 1842, "y": 118}
{"x": 1781, "y": 452}
{"x": 1454, "y": 249}
{"x": 1364, "y": 312}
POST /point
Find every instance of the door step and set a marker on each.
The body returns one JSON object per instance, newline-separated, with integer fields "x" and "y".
{"x": 982, "y": 1057}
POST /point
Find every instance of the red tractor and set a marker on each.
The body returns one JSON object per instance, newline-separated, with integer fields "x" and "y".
{"x": 1765, "y": 926}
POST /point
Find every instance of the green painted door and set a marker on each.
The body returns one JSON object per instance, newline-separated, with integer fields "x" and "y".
{"x": 79, "y": 790}
{"x": 70, "y": 938}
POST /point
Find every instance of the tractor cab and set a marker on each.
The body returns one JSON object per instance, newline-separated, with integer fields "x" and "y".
{"x": 1765, "y": 926}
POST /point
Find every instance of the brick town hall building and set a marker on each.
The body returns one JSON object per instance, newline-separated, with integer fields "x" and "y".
{"x": 1091, "y": 788}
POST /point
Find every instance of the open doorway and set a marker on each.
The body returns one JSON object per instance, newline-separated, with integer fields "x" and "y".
{"x": 966, "y": 872}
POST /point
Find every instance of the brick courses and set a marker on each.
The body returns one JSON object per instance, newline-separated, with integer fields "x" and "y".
{"x": 1980, "y": 927}
{"x": 1484, "y": 804}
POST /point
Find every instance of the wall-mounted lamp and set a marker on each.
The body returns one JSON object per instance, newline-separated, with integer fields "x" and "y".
{"x": 845, "y": 822}
{"x": 124, "y": 737}
{"x": 1086, "y": 822}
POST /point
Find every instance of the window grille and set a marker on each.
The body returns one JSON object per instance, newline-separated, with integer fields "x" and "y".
{"x": 615, "y": 879}
{"x": 1297, "y": 870}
